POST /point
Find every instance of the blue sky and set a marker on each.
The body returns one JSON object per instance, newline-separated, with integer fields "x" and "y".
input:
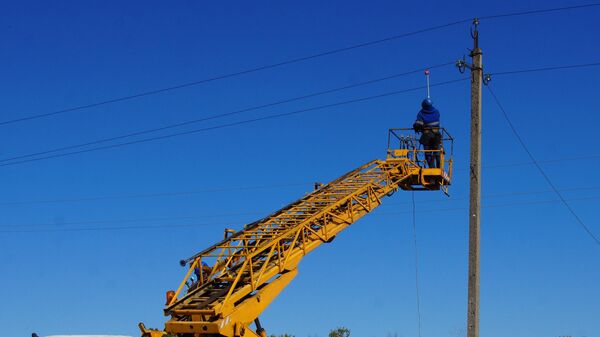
{"x": 73, "y": 261}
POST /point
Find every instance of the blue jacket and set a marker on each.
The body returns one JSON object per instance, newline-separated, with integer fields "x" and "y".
{"x": 429, "y": 118}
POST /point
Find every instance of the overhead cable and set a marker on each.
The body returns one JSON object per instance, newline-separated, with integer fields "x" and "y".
{"x": 290, "y": 61}
{"x": 539, "y": 168}
{"x": 274, "y": 186}
{"x": 253, "y": 120}
{"x": 550, "y": 68}
{"x": 539, "y": 11}
{"x": 153, "y": 195}
{"x": 110, "y": 228}
{"x": 222, "y": 115}
{"x": 234, "y": 74}
{"x": 418, "y": 295}
{"x": 254, "y": 212}
{"x": 231, "y": 113}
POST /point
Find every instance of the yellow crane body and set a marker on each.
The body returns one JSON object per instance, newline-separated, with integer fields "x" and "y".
{"x": 231, "y": 283}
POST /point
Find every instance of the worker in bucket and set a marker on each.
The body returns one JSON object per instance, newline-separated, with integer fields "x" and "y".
{"x": 428, "y": 124}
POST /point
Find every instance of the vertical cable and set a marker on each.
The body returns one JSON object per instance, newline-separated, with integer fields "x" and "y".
{"x": 414, "y": 218}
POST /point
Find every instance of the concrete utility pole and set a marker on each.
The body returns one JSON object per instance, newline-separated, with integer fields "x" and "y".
{"x": 475, "y": 189}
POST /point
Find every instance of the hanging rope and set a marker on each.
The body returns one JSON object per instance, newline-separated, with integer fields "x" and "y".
{"x": 414, "y": 218}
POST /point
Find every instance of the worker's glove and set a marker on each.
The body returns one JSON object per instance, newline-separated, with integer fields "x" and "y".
{"x": 418, "y": 127}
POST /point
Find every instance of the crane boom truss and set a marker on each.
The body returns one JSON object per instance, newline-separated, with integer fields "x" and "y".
{"x": 251, "y": 267}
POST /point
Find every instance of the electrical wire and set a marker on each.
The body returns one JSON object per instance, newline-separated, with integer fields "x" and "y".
{"x": 414, "y": 223}
{"x": 539, "y": 168}
{"x": 527, "y": 163}
{"x": 227, "y": 114}
{"x": 254, "y": 212}
{"x": 135, "y": 220}
{"x": 504, "y": 205}
{"x": 275, "y": 186}
{"x": 539, "y": 11}
{"x": 113, "y": 228}
{"x": 502, "y": 195}
{"x": 253, "y": 120}
{"x": 290, "y": 61}
{"x": 138, "y": 133}
{"x": 234, "y": 74}
{"x": 433, "y": 210}
{"x": 548, "y": 161}
{"x": 531, "y": 70}
{"x": 153, "y": 195}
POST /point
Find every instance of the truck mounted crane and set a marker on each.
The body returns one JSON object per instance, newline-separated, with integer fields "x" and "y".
{"x": 228, "y": 285}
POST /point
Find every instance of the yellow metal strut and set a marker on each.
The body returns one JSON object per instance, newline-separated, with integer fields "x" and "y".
{"x": 236, "y": 279}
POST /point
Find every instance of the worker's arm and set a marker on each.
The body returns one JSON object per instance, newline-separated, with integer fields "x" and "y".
{"x": 418, "y": 125}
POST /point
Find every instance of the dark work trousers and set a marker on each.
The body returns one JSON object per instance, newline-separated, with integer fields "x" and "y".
{"x": 433, "y": 158}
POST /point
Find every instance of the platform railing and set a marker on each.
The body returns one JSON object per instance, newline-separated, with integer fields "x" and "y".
{"x": 408, "y": 139}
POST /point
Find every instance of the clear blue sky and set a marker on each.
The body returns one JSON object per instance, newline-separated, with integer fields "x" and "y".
{"x": 72, "y": 263}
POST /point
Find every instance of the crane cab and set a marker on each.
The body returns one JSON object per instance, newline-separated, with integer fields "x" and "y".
{"x": 429, "y": 167}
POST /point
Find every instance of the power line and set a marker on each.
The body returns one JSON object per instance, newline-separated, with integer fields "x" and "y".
{"x": 204, "y": 215}
{"x": 234, "y": 74}
{"x": 138, "y": 133}
{"x": 531, "y": 70}
{"x": 285, "y": 114}
{"x": 104, "y": 228}
{"x": 539, "y": 167}
{"x": 526, "y": 163}
{"x": 504, "y": 205}
{"x": 135, "y": 220}
{"x": 94, "y": 229}
{"x": 287, "y": 62}
{"x": 548, "y": 161}
{"x": 539, "y": 11}
{"x": 275, "y": 186}
{"x": 414, "y": 222}
{"x": 227, "y": 114}
{"x": 152, "y": 195}
{"x": 503, "y": 195}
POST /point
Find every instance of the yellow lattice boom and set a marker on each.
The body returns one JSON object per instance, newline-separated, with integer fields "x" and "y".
{"x": 231, "y": 283}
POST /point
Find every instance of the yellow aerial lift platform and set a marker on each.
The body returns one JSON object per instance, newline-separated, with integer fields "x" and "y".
{"x": 229, "y": 284}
